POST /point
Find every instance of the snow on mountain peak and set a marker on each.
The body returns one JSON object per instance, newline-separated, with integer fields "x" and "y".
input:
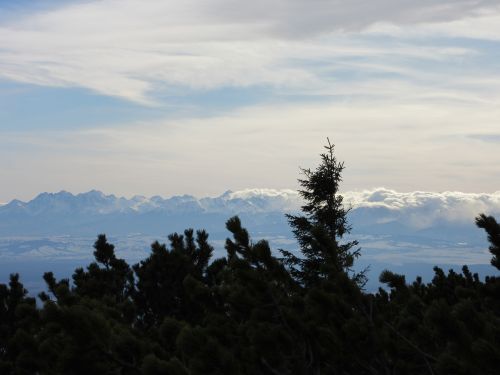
{"x": 422, "y": 207}
{"x": 256, "y": 192}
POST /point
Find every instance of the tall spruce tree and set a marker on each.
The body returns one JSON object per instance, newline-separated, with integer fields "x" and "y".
{"x": 319, "y": 231}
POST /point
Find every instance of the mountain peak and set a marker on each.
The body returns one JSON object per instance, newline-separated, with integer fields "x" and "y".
{"x": 226, "y": 194}
{"x": 93, "y": 193}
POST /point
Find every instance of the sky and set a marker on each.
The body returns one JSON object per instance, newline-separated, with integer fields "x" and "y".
{"x": 198, "y": 97}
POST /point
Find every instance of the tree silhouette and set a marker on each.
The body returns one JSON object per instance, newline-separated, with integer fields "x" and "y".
{"x": 490, "y": 225}
{"x": 322, "y": 226}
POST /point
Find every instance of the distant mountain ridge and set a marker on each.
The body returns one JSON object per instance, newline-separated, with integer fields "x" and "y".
{"x": 96, "y": 202}
{"x": 412, "y": 230}
{"x": 380, "y": 211}
{"x": 95, "y": 212}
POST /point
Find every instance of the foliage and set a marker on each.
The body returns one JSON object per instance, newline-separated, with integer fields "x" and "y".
{"x": 320, "y": 229}
{"x": 180, "y": 312}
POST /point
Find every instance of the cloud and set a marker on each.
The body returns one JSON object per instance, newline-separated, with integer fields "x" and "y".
{"x": 495, "y": 138}
{"x": 484, "y": 25}
{"x": 416, "y": 209}
{"x": 132, "y": 49}
{"x": 423, "y": 209}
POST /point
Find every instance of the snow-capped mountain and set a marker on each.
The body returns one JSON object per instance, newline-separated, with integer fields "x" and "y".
{"x": 94, "y": 211}
{"x": 420, "y": 216}
{"x": 412, "y": 231}
{"x": 448, "y": 215}
{"x": 97, "y": 203}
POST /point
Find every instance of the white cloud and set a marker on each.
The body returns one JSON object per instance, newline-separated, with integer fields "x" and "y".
{"x": 483, "y": 25}
{"x": 129, "y": 48}
{"x": 416, "y": 209}
{"x": 423, "y": 209}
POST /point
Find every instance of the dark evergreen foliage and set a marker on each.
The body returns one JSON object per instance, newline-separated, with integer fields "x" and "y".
{"x": 323, "y": 224}
{"x": 179, "y": 312}
{"x": 490, "y": 225}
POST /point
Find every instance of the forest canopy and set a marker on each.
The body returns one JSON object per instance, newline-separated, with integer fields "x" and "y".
{"x": 255, "y": 310}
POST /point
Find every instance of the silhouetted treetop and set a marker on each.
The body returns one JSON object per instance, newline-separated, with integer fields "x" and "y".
{"x": 322, "y": 225}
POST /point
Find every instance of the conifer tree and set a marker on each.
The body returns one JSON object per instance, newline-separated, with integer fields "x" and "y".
{"x": 320, "y": 229}
{"x": 490, "y": 225}
{"x": 168, "y": 278}
{"x": 107, "y": 276}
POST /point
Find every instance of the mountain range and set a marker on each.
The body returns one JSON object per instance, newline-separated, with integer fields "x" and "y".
{"x": 446, "y": 216}
{"x": 407, "y": 232}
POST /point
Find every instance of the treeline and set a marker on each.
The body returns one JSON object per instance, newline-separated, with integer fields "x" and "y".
{"x": 255, "y": 311}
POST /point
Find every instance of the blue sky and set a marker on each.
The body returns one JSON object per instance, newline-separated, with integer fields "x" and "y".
{"x": 154, "y": 97}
